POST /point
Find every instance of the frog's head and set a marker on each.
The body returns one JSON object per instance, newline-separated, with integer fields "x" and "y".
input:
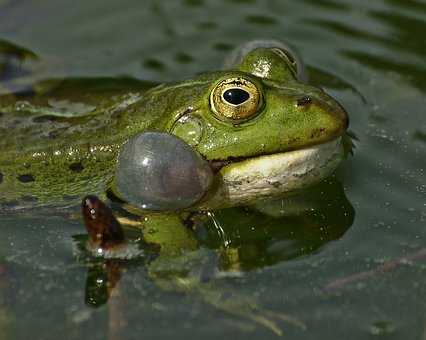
{"x": 263, "y": 130}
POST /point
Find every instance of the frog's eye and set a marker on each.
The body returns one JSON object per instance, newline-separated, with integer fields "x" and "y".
{"x": 235, "y": 99}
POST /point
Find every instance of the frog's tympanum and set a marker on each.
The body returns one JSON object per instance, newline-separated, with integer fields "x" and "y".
{"x": 236, "y": 137}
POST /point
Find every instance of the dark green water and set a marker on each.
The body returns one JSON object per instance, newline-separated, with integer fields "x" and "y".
{"x": 369, "y": 54}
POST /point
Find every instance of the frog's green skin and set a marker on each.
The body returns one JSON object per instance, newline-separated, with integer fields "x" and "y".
{"x": 51, "y": 157}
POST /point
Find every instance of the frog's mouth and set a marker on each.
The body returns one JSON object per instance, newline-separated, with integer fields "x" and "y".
{"x": 241, "y": 181}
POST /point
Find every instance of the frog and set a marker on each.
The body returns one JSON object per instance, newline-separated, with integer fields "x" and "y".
{"x": 257, "y": 126}
{"x": 263, "y": 129}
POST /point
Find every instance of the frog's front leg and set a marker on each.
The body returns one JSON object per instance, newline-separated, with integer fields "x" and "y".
{"x": 169, "y": 232}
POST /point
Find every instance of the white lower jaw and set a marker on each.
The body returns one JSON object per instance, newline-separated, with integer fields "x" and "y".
{"x": 275, "y": 175}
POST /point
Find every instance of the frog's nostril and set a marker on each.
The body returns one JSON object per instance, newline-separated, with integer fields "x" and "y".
{"x": 306, "y": 100}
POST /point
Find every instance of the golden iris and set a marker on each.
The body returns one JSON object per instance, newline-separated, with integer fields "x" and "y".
{"x": 236, "y": 99}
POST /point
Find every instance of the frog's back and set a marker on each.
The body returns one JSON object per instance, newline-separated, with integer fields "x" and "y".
{"x": 55, "y": 156}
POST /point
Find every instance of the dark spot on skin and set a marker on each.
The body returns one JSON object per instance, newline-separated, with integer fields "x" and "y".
{"x": 10, "y": 204}
{"x": 1, "y": 178}
{"x": 76, "y": 167}
{"x": 29, "y": 199}
{"x": 26, "y": 178}
{"x": 304, "y": 101}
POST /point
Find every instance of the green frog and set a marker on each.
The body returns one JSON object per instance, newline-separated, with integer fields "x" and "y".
{"x": 263, "y": 130}
{"x": 257, "y": 127}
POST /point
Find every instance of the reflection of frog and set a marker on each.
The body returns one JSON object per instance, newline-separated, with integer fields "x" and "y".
{"x": 262, "y": 130}
{"x": 232, "y": 241}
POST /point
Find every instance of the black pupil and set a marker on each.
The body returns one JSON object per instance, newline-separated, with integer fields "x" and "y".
{"x": 236, "y": 96}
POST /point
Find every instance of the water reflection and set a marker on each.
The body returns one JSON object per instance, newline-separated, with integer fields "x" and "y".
{"x": 102, "y": 279}
{"x": 230, "y": 242}
{"x": 261, "y": 20}
{"x": 280, "y": 230}
{"x": 328, "y": 4}
{"x": 388, "y": 172}
{"x": 8, "y": 284}
{"x": 406, "y": 38}
{"x": 410, "y": 71}
{"x": 412, "y": 4}
{"x": 16, "y": 62}
{"x": 102, "y": 286}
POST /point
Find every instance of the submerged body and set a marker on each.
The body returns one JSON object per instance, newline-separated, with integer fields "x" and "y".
{"x": 262, "y": 130}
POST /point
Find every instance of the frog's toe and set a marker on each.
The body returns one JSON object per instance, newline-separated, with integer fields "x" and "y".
{"x": 158, "y": 171}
